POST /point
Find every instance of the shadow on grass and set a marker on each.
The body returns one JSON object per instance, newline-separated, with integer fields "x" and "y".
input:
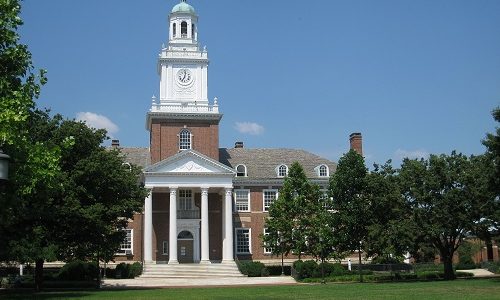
{"x": 61, "y": 293}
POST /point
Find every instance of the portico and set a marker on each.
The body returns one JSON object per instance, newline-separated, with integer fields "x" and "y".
{"x": 188, "y": 178}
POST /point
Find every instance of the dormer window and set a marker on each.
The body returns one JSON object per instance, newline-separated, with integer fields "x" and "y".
{"x": 241, "y": 171}
{"x": 184, "y": 140}
{"x": 322, "y": 171}
{"x": 184, "y": 29}
{"x": 282, "y": 171}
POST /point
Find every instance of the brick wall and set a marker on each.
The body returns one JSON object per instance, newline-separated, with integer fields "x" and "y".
{"x": 164, "y": 138}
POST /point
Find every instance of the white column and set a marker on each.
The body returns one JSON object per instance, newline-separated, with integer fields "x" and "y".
{"x": 205, "y": 252}
{"x": 172, "y": 236}
{"x": 148, "y": 228}
{"x": 227, "y": 254}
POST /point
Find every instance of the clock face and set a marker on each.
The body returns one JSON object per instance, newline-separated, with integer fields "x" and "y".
{"x": 184, "y": 76}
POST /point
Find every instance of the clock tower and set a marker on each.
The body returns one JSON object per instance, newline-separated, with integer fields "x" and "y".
{"x": 182, "y": 117}
{"x": 182, "y": 65}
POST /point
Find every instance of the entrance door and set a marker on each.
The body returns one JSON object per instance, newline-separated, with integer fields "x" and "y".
{"x": 185, "y": 243}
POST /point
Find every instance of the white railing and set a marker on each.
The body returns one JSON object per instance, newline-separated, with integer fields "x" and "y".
{"x": 162, "y": 107}
{"x": 189, "y": 107}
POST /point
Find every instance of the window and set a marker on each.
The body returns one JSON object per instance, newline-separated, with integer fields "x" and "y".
{"x": 184, "y": 29}
{"x": 192, "y": 31}
{"x": 243, "y": 240}
{"x": 185, "y": 200}
{"x": 282, "y": 171}
{"x": 241, "y": 171}
{"x": 184, "y": 140}
{"x": 165, "y": 248}
{"x": 126, "y": 245}
{"x": 269, "y": 197}
{"x": 323, "y": 171}
{"x": 267, "y": 250}
{"x": 325, "y": 199}
{"x": 174, "y": 29}
{"x": 242, "y": 200}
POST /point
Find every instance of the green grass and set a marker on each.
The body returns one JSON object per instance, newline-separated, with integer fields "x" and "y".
{"x": 458, "y": 289}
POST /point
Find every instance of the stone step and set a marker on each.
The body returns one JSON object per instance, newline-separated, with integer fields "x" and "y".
{"x": 190, "y": 270}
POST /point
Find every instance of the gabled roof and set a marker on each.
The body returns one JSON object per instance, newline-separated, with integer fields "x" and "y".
{"x": 189, "y": 161}
{"x": 262, "y": 163}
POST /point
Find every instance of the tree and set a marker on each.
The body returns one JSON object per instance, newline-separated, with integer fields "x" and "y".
{"x": 391, "y": 231}
{"x": 348, "y": 187}
{"x": 83, "y": 216}
{"x": 293, "y": 224}
{"x": 34, "y": 165}
{"x": 447, "y": 197}
{"x": 489, "y": 227}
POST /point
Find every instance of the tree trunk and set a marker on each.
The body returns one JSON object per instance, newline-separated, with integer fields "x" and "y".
{"x": 38, "y": 274}
{"x": 359, "y": 266}
{"x": 489, "y": 249}
{"x": 448, "y": 266}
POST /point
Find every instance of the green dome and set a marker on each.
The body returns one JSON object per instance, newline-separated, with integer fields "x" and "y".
{"x": 183, "y": 7}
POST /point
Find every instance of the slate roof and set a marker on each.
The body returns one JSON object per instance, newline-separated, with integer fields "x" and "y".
{"x": 262, "y": 163}
{"x": 137, "y": 156}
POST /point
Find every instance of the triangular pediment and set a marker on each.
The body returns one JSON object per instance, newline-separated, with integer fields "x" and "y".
{"x": 189, "y": 161}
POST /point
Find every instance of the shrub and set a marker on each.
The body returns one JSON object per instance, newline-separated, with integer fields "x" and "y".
{"x": 242, "y": 266}
{"x": 386, "y": 260}
{"x": 78, "y": 270}
{"x": 135, "y": 270}
{"x": 465, "y": 265}
{"x": 121, "y": 271}
{"x": 256, "y": 269}
{"x": 306, "y": 269}
{"x": 463, "y": 274}
{"x": 493, "y": 267}
{"x": 276, "y": 270}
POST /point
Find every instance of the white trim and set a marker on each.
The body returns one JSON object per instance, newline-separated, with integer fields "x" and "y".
{"x": 248, "y": 200}
{"x": 265, "y": 248}
{"x": 123, "y": 251}
{"x": 318, "y": 171}
{"x": 278, "y": 171}
{"x": 245, "y": 172}
{"x": 184, "y": 130}
{"x": 249, "y": 240}
{"x": 263, "y": 198}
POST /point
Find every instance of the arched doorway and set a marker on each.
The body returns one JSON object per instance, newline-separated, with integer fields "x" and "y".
{"x": 185, "y": 243}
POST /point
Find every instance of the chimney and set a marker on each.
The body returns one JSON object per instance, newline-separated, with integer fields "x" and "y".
{"x": 238, "y": 145}
{"x": 356, "y": 141}
{"x": 115, "y": 143}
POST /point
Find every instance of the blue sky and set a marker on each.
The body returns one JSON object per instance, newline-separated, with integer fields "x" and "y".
{"x": 414, "y": 77}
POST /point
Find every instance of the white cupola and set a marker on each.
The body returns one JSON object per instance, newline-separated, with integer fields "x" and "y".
{"x": 183, "y": 24}
{"x": 183, "y": 67}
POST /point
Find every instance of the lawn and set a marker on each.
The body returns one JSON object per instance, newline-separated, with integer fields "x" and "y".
{"x": 458, "y": 289}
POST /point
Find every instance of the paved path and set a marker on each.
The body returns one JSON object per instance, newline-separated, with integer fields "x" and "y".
{"x": 182, "y": 282}
{"x": 480, "y": 272}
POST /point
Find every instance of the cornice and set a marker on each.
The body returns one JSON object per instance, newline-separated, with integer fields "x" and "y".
{"x": 181, "y": 116}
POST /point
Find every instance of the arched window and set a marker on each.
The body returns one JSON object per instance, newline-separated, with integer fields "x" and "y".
{"x": 174, "y": 29}
{"x": 323, "y": 171}
{"x": 241, "y": 171}
{"x": 185, "y": 235}
{"x": 192, "y": 31}
{"x": 184, "y": 139}
{"x": 184, "y": 29}
{"x": 282, "y": 171}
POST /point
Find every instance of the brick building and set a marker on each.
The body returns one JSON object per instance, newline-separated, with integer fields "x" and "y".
{"x": 206, "y": 204}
